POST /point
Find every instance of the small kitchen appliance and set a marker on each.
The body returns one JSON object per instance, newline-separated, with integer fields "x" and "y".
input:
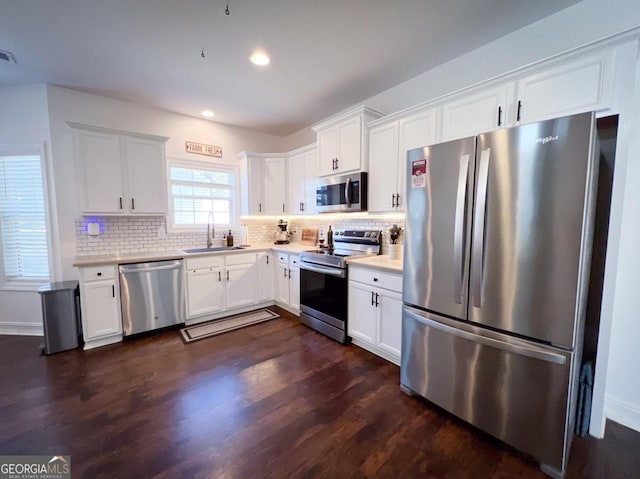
{"x": 341, "y": 194}
{"x": 324, "y": 282}
{"x": 282, "y": 233}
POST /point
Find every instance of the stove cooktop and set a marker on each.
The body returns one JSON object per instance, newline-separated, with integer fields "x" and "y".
{"x": 348, "y": 243}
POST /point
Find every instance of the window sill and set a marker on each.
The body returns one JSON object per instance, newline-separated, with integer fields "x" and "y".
{"x": 17, "y": 286}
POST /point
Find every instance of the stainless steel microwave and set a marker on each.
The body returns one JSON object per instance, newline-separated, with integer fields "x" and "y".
{"x": 340, "y": 194}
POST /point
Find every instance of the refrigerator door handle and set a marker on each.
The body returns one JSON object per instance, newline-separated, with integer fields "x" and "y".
{"x": 478, "y": 228}
{"x": 460, "y": 219}
{"x": 531, "y": 352}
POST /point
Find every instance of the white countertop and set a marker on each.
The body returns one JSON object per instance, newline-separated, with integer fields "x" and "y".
{"x": 381, "y": 262}
{"x": 98, "y": 260}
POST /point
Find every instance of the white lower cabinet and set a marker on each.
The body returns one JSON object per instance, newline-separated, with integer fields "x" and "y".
{"x": 375, "y": 313}
{"x": 265, "y": 276}
{"x": 217, "y": 284}
{"x": 241, "y": 286}
{"x": 100, "y": 300}
{"x": 205, "y": 291}
{"x": 288, "y": 282}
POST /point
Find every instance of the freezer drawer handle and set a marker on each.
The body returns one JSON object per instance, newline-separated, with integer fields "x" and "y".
{"x": 477, "y": 267}
{"x": 534, "y": 353}
{"x": 459, "y": 246}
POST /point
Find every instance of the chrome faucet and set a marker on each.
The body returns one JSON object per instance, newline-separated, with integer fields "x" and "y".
{"x": 211, "y": 231}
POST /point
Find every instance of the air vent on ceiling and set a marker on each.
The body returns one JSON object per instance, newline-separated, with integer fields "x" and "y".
{"x": 6, "y": 56}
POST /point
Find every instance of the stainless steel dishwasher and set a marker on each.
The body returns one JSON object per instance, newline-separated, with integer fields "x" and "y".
{"x": 152, "y": 295}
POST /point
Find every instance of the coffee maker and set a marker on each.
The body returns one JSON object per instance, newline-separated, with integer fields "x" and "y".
{"x": 282, "y": 232}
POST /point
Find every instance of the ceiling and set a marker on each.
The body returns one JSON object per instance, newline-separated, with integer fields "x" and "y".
{"x": 326, "y": 55}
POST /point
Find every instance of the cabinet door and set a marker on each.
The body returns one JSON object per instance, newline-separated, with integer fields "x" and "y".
{"x": 98, "y": 161}
{"x": 282, "y": 284}
{"x": 576, "y": 87}
{"x": 242, "y": 285}
{"x": 349, "y": 145}
{"x": 294, "y": 288}
{"x": 362, "y": 313}
{"x": 311, "y": 176}
{"x": 255, "y": 183}
{"x": 100, "y": 314}
{"x": 205, "y": 289}
{"x": 145, "y": 167}
{"x": 415, "y": 131}
{"x": 275, "y": 186}
{"x": 477, "y": 113}
{"x": 389, "y": 321}
{"x": 297, "y": 185}
{"x": 265, "y": 277}
{"x": 383, "y": 167}
{"x": 327, "y": 151}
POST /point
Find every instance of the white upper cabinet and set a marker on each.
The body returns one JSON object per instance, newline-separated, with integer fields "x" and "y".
{"x": 302, "y": 169}
{"x": 275, "y": 185}
{"x": 99, "y": 171}
{"x": 343, "y": 141}
{"x": 383, "y": 167}
{"x": 476, "y": 113}
{"x": 252, "y": 183}
{"x": 575, "y": 87}
{"x": 146, "y": 175}
{"x": 388, "y": 145}
{"x": 120, "y": 173}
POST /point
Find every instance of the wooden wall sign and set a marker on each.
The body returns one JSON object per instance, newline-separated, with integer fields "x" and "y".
{"x": 202, "y": 149}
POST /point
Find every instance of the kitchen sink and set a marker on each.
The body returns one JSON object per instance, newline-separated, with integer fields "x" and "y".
{"x": 211, "y": 250}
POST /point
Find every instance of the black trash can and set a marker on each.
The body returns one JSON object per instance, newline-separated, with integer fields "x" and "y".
{"x": 60, "y": 315}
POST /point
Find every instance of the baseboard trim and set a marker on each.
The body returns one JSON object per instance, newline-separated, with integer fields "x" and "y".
{"x": 622, "y": 412}
{"x": 21, "y": 329}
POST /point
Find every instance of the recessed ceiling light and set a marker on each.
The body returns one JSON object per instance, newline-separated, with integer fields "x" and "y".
{"x": 259, "y": 58}
{"x": 208, "y": 113}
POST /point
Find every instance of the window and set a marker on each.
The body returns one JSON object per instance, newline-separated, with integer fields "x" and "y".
{"x": 23, "y": 218}
{"x": 199, "y": 189}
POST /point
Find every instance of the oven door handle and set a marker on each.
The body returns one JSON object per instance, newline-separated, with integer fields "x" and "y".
{"x": 340, "y": 273}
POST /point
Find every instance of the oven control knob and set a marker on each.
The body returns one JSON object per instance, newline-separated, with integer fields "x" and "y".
{"x": 367, "y": 234}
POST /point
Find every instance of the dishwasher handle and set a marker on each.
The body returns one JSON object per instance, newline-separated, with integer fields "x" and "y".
{"x": 147, "y": 267}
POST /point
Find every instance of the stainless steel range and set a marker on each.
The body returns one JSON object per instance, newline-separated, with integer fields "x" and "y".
{"x": 323, "y": 281}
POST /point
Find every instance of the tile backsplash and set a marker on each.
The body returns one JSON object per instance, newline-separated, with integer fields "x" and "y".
{"x": 121, "y": 235}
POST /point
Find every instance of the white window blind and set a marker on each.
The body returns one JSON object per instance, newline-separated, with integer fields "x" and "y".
{"x": 23, "y": 220}
{"x": 198, "y": 190}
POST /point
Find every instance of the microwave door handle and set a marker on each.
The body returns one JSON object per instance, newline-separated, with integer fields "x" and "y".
{"x": 347, "y": 191}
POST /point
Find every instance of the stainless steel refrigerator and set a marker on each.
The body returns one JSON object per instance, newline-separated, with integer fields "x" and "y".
{"x": 496, "y": 265}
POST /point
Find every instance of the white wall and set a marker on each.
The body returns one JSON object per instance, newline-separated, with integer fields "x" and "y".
{"x": 622, "y": 396}
{"x": 69, "y": 105}
{"x": 23, "y": 119}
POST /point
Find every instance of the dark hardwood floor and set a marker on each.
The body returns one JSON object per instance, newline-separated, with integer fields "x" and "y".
{"x": 272, "y": 400}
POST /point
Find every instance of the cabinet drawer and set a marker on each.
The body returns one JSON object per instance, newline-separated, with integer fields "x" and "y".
{"x": 96, "y": 273}
{"x": 283, "y": 258}
{"x": 244, "y": 258}
{"x": 204, "y": 262}
{"x": 376, "y": 278}
{"x": 294, "y": 260}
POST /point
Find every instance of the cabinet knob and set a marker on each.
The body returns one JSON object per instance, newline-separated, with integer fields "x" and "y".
{"x": 99, "y": 274}
{"x": 375, "y": 279}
